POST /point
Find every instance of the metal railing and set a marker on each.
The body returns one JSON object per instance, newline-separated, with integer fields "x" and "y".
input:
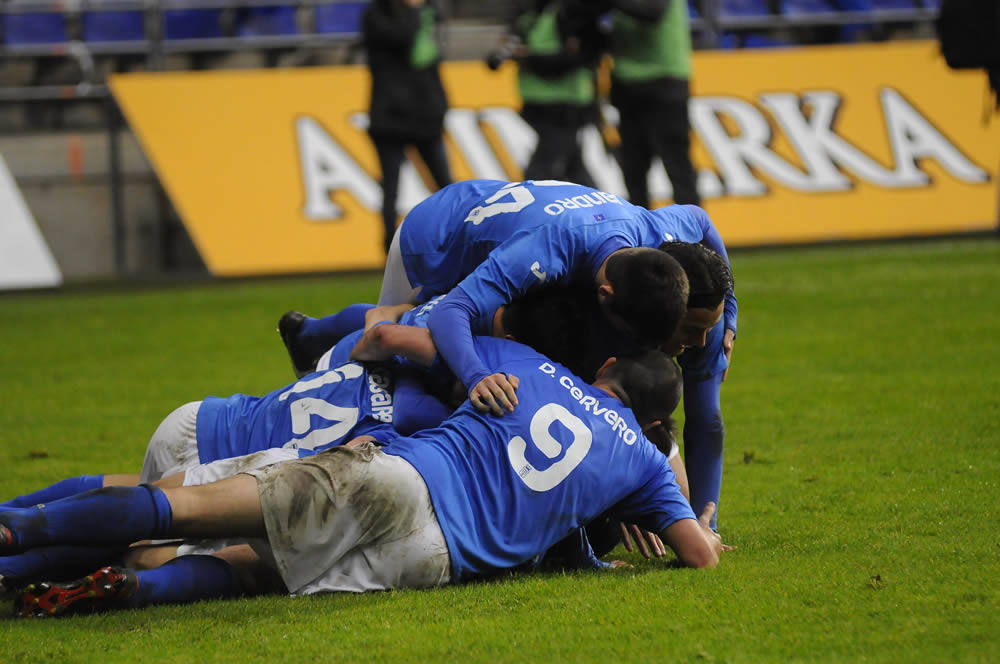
{"x": 709, "y": 25}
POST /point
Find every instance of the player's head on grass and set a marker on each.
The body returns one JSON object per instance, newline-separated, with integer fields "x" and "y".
{"x": 645, "y": 294}
{"x": 709, "y": 279}
{"x": 649, "y": 383}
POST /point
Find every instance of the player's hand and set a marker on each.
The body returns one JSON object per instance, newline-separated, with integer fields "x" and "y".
{"x": 360, "y": 440}
{"x": 495, "y": 393}
{"x": 649, "y": 544}
{"x": 728, "y": 341}
{"x": 705, "y": 521}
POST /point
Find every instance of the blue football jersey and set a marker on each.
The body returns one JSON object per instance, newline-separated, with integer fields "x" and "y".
{"x": 321, "y": 410}
{"x": 507, "y": 488}
{"x": 533, "y": 231}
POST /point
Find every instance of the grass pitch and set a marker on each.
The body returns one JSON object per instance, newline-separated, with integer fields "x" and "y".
{"x": 862, "y": 476}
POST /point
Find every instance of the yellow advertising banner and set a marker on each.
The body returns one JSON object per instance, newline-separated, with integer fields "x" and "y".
{"x": 272, "y": 171}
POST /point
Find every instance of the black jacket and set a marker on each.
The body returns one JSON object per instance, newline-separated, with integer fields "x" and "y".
{"x": 406, "y": 102}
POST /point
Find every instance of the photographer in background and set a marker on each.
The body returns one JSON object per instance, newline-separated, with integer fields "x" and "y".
{"x": 408, "y": 101}
{"x": 556, "y": 44}
{"x": 651, "y": 46}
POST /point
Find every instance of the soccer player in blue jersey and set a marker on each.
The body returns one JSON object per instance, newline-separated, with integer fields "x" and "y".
{"x": 207, "y": 440}
{"x": 495, "y": 240}
{"x": 478, "y": 495}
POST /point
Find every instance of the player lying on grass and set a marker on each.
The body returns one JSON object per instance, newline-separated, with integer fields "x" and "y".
{"x": 699, "y": 343}
{"x": 484, "y": 242}
{"x": 478, "y": 495}
{"x": 318, "y": 412}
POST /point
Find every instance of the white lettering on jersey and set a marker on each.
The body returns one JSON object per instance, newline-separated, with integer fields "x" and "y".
{"x": 583, "y": 201}
{"x": 589, "y": 403}
{"x": 379, "y": 386}
{"x": 542, "y": 439}
{"x": 536, "y": 269}
{"x": 343, "y": 372}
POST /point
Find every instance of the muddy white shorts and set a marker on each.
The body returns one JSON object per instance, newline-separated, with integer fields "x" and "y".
{"x": 351, "y": 519}
{"x": 174, "y": 445}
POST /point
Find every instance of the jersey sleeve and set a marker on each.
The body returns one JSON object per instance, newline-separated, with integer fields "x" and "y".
{"x": 450, "y": 325}
{"x": 539, "y": 256}
{"x": 658, "y": 503}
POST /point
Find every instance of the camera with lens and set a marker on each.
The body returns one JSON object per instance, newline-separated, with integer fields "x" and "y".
{"x": 504, "y": 53}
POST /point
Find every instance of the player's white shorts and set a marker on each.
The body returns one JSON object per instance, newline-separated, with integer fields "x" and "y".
{"x": 351, "y": 519}
{"x": 174, "y": 449}
{"x": 174, "y": 445}
{"x": 396, "y": 287}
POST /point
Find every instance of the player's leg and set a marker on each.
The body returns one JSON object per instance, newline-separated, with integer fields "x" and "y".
{"x": 636, "y": 153}
{"x": 60, "y": 562}
{"x": 550, "y": 159}
{"x": 180, "y": 580}
{"x": 121, "y": 515}
{"x": 672, "y": 137}
{"x": 704, "y": 435}
{"x": 61, "y": 489}
{"x": 390, "y": 157}
{"x": 172, "y": 447}
{"x": 396, "y": 287}
{"x": 436, "y": 159}
{"x": 307, "y": 338}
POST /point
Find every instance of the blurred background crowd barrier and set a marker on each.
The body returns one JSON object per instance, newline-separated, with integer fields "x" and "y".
{"x": 98, "y": 185}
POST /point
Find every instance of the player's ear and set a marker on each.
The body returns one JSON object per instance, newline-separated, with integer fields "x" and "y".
{"x": 605, "y": 291}
{"x": 604, "y": 367}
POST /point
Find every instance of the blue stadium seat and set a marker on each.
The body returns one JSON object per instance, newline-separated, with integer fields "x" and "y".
{"x": 113, "y": 26}
{"x": 795, "y": 7}
{"x": 730, "y": 40}
{"x": 341, "y": 17}
{"x": 192, "y": 23}
{"x": 744, "y": 8}
{"x": 263, "y": 21}
{"x": 35, "y": 28}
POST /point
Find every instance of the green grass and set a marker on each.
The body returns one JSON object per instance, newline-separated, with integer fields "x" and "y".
{"x": 862, "y": 476}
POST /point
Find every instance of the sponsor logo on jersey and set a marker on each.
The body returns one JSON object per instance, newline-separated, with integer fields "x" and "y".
{"x": 591, "y": 405}
{"x": 380, "y": 393}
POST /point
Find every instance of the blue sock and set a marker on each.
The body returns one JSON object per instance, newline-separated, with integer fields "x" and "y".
{"x": 704, "y": 435}
{"x": 112, "y": 515}
{"x": 67, "y": 487}
{"x": 186, "y": 579}
{"x": 59, "y": 562}
{"x": 318, "y": 335}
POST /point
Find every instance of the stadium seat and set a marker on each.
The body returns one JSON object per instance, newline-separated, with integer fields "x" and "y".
{"x": 341, "y": 17}
{"x": 731, "y": 40}
{"x": 192, "y": 23}
{"x": 113, "y": 26}
{"x": 797, "y": 7}
{"x": 35, "y": 28}
{"x": 743, "y": 8}
{"x": 264, "y": 21}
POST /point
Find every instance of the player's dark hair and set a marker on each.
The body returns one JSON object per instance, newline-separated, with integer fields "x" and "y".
{"x": 649, "y": 383}
{"x": 554, "y": 319}
{"x": 709, "y": 277}
{"x": 650, "y": 293}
